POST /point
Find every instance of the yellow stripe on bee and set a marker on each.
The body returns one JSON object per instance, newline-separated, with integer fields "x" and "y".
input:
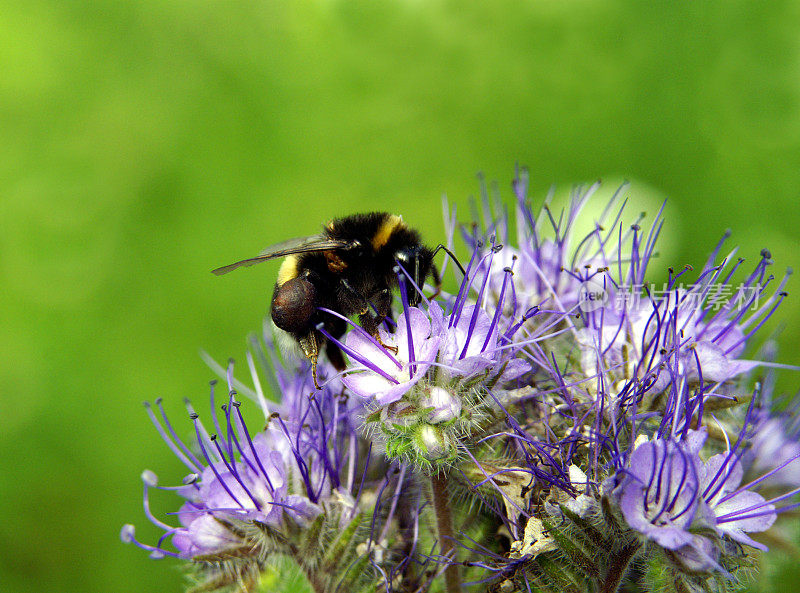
{"x": 288, "y": 269}
{"x": 385, "y": 231}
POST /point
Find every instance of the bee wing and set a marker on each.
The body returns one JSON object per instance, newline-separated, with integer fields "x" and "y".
{"x": 292, "y": 246}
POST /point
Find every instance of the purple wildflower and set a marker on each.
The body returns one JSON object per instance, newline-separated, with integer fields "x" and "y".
{"x": 709, "y": 494}
{"x": 654, "y": 337}
{"x": 658, "y": 492}
{"x": 473, "y": 345}
{"x": 387, "y": 376}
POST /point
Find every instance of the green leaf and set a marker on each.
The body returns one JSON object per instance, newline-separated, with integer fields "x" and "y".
{"x": 310, "y": 548}
{"x": 337, "y": 551}
{"x": 573, "y": 550}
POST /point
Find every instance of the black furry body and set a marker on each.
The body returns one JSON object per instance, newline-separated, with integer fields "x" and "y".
{"x": 356, "y": 277}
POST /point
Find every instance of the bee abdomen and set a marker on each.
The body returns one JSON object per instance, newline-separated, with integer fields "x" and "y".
{"x": 293, "y": 304}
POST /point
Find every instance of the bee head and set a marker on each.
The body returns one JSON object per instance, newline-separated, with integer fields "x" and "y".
{"x": 417, "y": 260}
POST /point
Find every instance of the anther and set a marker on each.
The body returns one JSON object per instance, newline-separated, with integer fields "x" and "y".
{"x": 190, "y": 479}
{"x": 128, "y": 533}
{"x": 149, "y": 478}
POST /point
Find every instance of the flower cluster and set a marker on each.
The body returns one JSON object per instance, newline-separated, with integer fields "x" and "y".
{"x": 552, "y": 424}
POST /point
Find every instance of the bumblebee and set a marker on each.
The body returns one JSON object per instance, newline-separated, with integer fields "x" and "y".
{"x": 349, "y": 268}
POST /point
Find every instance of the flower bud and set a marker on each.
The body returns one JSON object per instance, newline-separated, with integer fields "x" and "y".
{"x": 431, "y": 443}
{"x": 397, "y": 416}
{"x": 446, "y": 406}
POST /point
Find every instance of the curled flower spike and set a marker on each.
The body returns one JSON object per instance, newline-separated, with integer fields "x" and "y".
{"x": 252, "y": 497}
{"x": 625, "y": 397}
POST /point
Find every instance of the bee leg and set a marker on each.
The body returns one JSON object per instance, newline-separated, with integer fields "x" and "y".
{"x": 314, "y": 373}
{"x": 392, "y": 349}
{"x": 437, "y": 281}
{"x": 370, "y": 324}
{"x": 383, "y": 309}
{"x": 309, "y": 346}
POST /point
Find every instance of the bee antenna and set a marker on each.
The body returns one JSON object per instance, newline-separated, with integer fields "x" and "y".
{"x": 452, "y": 256}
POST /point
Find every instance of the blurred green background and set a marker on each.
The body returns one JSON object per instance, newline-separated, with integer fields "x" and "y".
{"x": 145, "y": 143}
